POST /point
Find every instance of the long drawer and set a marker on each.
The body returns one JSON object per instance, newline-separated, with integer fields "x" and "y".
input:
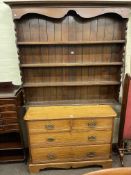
{"x": 77, "y": 153}
{"x": 70, "y": 138}
{"x": 72, "y": 124}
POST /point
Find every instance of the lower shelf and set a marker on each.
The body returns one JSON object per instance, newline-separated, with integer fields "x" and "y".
{"x": 73, "y": 102}
{"x": 10, "y": 146}
{"x": 10, "y": 141}
{"x": 8, "y": 159}
{"x": 16, "y": 155}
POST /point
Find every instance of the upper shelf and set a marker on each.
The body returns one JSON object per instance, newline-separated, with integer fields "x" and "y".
{"x": 70, "y": 64}
{"x": 69, "y": 42}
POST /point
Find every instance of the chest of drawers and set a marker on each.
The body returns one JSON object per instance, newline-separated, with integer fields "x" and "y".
{"x": 11, "y": 142}
{"x": 69, "y": 136}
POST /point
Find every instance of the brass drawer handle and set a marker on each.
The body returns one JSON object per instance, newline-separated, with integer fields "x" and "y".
{"x": 92, "y": 138}
{"x": 92, "y": 124}
{"x": 49, "y": 127}
{"x": 50, "y": 139}
{"x": 51, "y": 156}
{"x": 91, "y": 154}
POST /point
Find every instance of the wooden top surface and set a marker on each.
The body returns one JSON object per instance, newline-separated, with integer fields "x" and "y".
{"x": 8, "y": 90}
{"x": 65, "y": 112}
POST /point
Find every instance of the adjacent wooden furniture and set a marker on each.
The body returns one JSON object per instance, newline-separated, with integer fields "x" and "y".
{"x": 70, "y": 52}
{"x": 69, "y": 136}
{"x": 112, "y": 171}
{"x": 125, "y": 120}
{"x": 11, "y": 145}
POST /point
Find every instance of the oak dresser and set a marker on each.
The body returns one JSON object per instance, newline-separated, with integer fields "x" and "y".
{"x": 69, "y": 136}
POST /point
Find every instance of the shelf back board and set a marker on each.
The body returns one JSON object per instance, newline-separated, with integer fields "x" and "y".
{"x": 71, "y": 58}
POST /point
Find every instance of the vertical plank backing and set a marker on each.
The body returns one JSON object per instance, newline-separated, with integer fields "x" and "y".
{"x": 37, "y": 28}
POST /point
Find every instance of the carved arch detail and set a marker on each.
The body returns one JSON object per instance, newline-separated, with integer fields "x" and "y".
{"x": 60, "y": 12}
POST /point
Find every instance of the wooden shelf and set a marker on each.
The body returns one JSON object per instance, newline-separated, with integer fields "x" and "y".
{"x": 69, "y": 42}
{"x": 71, "y": 64}
{"x": 10, "y": 146}
{"x": 86, "y": 83}
{"x": 80, "y": 61}
{"x": 73, "y": 102}
{"x": 8, "y": 159}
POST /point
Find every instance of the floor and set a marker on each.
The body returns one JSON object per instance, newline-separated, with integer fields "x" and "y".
{"x": 21, "y": 168}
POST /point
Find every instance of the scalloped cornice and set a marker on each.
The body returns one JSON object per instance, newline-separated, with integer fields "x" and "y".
{"x": 59, "y": 12}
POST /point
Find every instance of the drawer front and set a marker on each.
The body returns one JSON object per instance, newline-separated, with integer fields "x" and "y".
{"x": 7, "y": 101}
{"x": 48, "y": 126}
{"x": 10, "y": 121}
{"x": 7, "y": 121}
{"x": 8, "y": 114}
{"x": 59, "y": 154}
{"x": 8, "y": 107}
{"x": 54, "y": 154}
{"x": 96, "y": 124}
{"x": 70, "y": 138}
{"x": 92, "y": 152}
{"x": 11, "y": 127}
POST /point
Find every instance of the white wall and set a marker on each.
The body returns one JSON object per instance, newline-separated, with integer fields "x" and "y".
{"x": 9, "y": 64}
{"x": 128, "y": 48}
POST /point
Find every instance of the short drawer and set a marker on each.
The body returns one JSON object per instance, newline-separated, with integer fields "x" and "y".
{"x": 70, "y": 138}
{"x": 5, "y": 101}
{"x": 8, "y": 114}
{"x": 59, "y": 154}
{"x": 7, "y": 121}
{"x": 11, "y": 127}
{"x": 93, "y": 123}
{"x": 8, "y": 107}
{"x": 10, "y": 121}
{"x": 48, "y": 126}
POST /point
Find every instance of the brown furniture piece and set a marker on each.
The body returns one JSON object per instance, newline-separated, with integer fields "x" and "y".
{"x": 125, "y": 120}
{"x": 69, "y": 136}
{"x": 71, "y": 52}
{"x": 11, "y": 145}
{"x": 112, "y": 171}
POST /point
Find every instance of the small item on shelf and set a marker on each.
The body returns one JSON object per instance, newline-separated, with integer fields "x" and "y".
{"x": 11, "y": 144}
